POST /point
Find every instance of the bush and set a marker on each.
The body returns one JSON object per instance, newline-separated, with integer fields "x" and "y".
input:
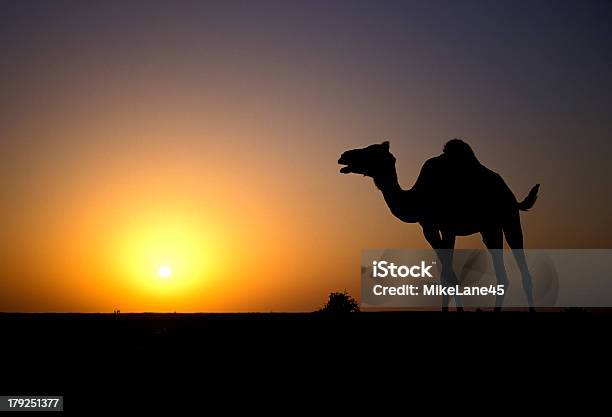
{"x": 340, "y": 302}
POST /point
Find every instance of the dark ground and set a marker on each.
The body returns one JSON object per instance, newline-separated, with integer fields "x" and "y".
{"x": 100, "y": 361}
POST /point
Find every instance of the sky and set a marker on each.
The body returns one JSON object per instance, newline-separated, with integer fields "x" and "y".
{"x": 202, "y": 136}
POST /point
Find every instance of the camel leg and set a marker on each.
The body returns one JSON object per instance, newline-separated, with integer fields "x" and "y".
{"x": 514, "y": 237}
{"x": 448, "y": 243}
{"x": 493, "y": 240}
{"x": 444, "y": 244}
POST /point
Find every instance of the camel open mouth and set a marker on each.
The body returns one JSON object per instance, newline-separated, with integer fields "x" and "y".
{"x": 345, "y": 169}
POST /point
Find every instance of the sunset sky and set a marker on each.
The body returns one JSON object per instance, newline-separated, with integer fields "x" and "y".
{"x": 202, "y": 137}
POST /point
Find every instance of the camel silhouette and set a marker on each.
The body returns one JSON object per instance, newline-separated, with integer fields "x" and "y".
{"x": 454, "y": 195}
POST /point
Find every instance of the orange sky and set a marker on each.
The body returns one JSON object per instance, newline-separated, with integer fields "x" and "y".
{"x": 132, "y": 149}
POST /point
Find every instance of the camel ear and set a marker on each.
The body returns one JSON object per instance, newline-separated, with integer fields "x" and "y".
{"x": 385, "y": 145}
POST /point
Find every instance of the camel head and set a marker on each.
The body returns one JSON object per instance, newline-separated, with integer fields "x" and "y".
{"x": 371, "y": 161}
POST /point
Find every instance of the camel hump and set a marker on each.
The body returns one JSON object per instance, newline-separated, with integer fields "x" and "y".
{"x": 460, "y": 179}
{"x": 459, "y": 151}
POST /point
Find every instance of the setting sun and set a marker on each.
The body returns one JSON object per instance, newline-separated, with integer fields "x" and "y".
{"x": 167, "y": 255}
{"x": 164, "y": 272}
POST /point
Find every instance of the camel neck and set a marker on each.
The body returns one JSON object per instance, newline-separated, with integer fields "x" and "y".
{"x": 400, "y": 202}
{"x": 389, "y": 185}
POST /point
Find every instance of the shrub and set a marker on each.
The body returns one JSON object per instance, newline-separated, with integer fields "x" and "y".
{"x": 340, "y": 302}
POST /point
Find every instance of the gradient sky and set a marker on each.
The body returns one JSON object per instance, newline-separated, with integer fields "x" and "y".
{"x": 206, "y": 134}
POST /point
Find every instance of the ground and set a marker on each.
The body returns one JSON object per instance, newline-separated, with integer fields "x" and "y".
{"x": 103, "y": 359}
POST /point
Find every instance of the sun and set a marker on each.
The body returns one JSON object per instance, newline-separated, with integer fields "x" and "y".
{"x": 164, "y": 271}
{"x": 169, "y": 255}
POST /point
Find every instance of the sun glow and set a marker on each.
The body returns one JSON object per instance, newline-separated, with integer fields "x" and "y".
{"x": 168, "y": 255}
{"x": 164, "y": 272}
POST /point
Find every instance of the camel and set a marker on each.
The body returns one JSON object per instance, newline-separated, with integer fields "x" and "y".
{"x": 454, "y": 195}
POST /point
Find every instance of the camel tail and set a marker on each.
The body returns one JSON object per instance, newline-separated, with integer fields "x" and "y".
{"x": 530, "y": 200}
